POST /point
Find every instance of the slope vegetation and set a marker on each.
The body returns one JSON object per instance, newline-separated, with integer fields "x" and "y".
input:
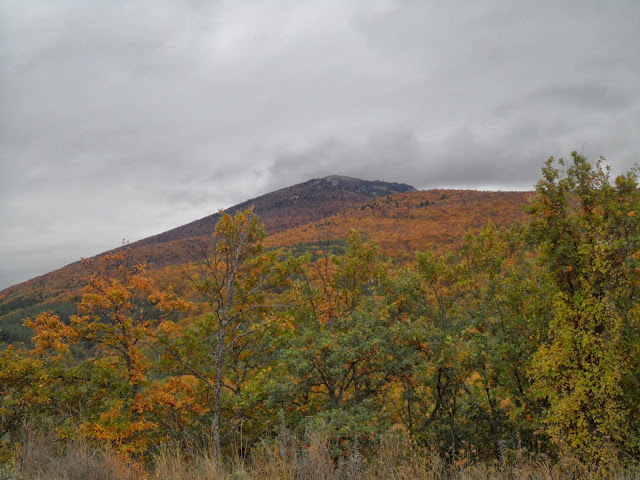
{"x": 396, "y": 216}
{"x": 405, "y": 223}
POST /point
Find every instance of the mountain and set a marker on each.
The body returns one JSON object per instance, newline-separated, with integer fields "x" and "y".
{"x": 279, "y": 210}
{"x": 408, "y": 222}
{"x": 292, "y": 206}
{"x": 399, "y": 218}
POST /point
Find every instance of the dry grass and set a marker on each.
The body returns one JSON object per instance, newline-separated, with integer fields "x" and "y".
{"x": 41, "y": 457}
{"x": 396, "y": 458}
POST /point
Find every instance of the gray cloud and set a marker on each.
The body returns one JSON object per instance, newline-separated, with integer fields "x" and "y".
{"x": 124, "y": 119}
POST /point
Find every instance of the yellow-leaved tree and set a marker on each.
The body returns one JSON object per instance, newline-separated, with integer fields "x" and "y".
{"x": 588, "y": 232}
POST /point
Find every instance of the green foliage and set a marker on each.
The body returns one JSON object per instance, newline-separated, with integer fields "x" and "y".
{"x": 18, "y": 303}
{"x": 464, "y": 329}
{"x": 317, "y": 248}
{"x": 223, "y": 347}
{"x": 12, "y": 329}
{"x": 333, "y": 356}
{"x": 522, "y": 340}
{"x": 588, "y": 233}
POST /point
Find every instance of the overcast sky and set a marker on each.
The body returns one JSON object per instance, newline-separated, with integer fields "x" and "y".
{"x": 125, "y": 119}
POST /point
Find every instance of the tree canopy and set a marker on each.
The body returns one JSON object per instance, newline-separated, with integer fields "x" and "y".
{"x": 523, "y": 338}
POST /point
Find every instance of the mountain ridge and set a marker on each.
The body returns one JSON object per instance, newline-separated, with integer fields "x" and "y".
{"x": 285, "y": 203}
{"x": 400, "y": 223}
{"x": 325, "y": 196}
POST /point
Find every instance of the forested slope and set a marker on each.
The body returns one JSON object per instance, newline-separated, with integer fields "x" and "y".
{"x": 400, "y": 223}
{"x": 518, "y": 344}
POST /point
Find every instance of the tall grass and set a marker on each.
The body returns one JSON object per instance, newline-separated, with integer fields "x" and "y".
{"x": 42, "y": 457}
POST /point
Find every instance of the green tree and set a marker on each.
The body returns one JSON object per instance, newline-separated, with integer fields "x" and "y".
{"x": 464, "y": 328}
{"x": 334, "y": 352}
{"x": 430, "y": 357}
{"x": 502, "y": 293}
{"x": 588, "y": 234}
{"x": 222, "y": 348}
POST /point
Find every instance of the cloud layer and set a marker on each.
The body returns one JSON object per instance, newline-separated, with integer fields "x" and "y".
{"x": 125, "y": 119}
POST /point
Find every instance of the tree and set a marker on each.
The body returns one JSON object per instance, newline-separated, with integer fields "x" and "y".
{"x": 23, "y": 391}
{"x": 430, "y": 351}
{"x": 235, "y": 277}
{"x": 588, "y": 232}
{"x": 117, "y": 317}
{"x": 464, "y": 328}
{"x": 333, "y": 345}
{"x": 502, "y": 293}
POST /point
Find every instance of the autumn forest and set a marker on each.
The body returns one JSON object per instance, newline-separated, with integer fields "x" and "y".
{"x": 450, "y": 329}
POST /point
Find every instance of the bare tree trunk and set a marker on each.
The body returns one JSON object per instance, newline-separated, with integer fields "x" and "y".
{"x": 217, "y": 393}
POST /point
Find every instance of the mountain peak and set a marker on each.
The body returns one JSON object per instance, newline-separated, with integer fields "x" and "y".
{"x": 301, "y": 203}
{"x": 370, "y": 188}
{"x": 342, "y": 177}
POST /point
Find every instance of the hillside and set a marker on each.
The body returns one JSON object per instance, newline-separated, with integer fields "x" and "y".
{"x": 396, "y": 216}
{"x": 405, "y": 223}
{"x": 292, "y": 206}
{"x": 279, "y": 210}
